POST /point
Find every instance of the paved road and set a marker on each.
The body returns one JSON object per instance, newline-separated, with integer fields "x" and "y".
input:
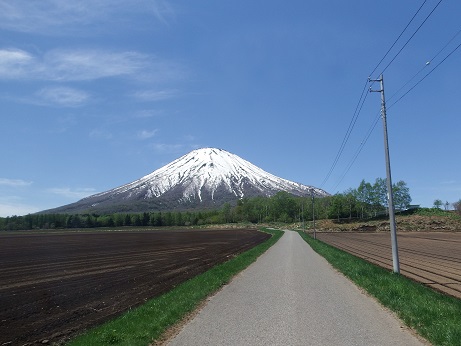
{"x": 291, "y": 296}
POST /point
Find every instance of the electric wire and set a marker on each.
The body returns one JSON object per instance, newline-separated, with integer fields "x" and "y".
{"x": 356, "y": 113}
{"x": 427, "y": 75}
{"x": 357, "y": 153}
{"x": 398, "y": 38}
{"x": 425, "y": 65}
{"x": 411, "y": 37}
{"x": 360, "y": 102}
{"x": 375, "y": 122}
{"x": 348, "y": 133}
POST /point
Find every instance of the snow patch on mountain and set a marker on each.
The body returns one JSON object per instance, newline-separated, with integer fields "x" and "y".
{"x": 208, "y": 170}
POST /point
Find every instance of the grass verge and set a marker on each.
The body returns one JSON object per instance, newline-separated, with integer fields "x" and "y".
{"x": 146, "y": 323}
{"x": 435, "y": 316}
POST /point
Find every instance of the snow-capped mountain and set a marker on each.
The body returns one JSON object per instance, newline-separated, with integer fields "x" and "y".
{"x": 203, "y": 177}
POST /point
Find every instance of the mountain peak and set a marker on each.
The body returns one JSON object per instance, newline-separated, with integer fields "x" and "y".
{"x": 203, "y": 177}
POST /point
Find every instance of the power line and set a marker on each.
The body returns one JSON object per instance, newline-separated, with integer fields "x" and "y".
{"x": 359, "y": 150}
{"x": 372, "y": 127}
{"x": 362, "y": 99}
{"x": 414, "y": 86}
{"x": 426, "y": 64}
{"x": 348, "y": 133}
{"x": 411, "y": 37}
{"x": 398, "y": 38}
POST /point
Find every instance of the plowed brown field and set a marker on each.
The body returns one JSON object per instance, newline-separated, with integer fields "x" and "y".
{"x": 432, "y": 258}
{"x": 53, "y": 285}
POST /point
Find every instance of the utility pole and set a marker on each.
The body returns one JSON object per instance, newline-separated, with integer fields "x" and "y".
{"x": 313, "y": 212}
{"x": 395, "y": 251}
{"x": 302, "y": 214}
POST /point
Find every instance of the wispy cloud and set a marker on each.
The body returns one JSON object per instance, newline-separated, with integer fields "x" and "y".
{"x": 155, "y": 95}
{"x": 14, "y": 205}
{"x": 72, "y": 193}
{"x": 189, "y": 138}
{"x": 46, "y": 16}
{"x": 79, "y": 65}
{"x": 62, "y": 96}
{"x": 71, "y": 65}
{"x": 148, "y": 113}
{"x": 10, "y": 209}
{"x": 145, "y": 134}
{"x": 448, "y": 182}
{"x": 90, "y": 64}
{"x": 100, "y": 134}
{"x": 162, "y": 10}
{"x": 165, "y": 148}
{"x": 15, "y": 63}
{"x": 14, "y": 182}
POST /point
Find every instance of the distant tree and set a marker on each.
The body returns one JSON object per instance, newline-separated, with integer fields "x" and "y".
{"x": 127, "y": 220}
{"x": 447, "y": 206}
{"x": 457, "y": 206}
{"x": 401, "y": 194}
{"x": 156, "y": 219}
{"x": 226, "y": 212}
{"x": 145, "y": 219}
{"x": 136, "y": 220}
{"x": 119, "y": 220}
{"x": 178, "y": 219}
{"x": 438, "y": 203}
{"x": 336, "y": 206}
{"x": 351, "y": 200}
{"x": 364, "y": 196}
{"x": 168, "y": 218}
{"x": 380, "y": 193}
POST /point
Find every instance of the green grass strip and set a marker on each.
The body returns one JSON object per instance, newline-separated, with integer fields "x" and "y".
{"x": 146, "y": 323}
{"x": 433, "y": 315}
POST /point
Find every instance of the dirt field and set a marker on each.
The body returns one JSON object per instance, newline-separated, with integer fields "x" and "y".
{"x": 54, "y": 285}
{"x": 433, "y": 258}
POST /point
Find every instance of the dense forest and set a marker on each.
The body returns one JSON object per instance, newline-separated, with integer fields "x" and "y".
{"x": 366, "y": 201}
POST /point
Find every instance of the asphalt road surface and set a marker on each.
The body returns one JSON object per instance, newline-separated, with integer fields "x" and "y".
{"x": 292, "y": 296}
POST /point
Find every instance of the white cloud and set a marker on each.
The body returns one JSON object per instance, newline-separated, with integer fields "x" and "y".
{"x": 73, "y": 193}
{"x": 57, "y": 16}
{"x": 63, "y": 96}
{"x": 10, "y": 209}
{"x": 101, "y": 134}
{"x": 164, "y": 148}
{"x": 148, "y": 113}
{"x": 155, "y": 95}
{"x": 448, "y": 182}
{"x": 144, "y": 134}
{"x": 189, "y": 138}
{"x": 14, "y": 182}
{"x": 76, "y": 65}
{"x": 162, "y": 10}
{"x": 15, "y": 63}
{"x": 89, "y": 64}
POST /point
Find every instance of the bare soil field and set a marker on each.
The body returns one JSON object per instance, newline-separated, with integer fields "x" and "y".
{"x": 432, "y": 258}
{"x": 56, "y": 284}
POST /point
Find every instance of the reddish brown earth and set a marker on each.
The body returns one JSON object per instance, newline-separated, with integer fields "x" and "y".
{"x": 432, "y": 258}
{"x": 54, "y": 285}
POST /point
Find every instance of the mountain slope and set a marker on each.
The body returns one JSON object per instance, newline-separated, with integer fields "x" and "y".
{"x": 202, "y": 178}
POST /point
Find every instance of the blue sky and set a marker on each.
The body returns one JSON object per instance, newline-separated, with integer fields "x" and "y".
{"x": 97, "y": 93}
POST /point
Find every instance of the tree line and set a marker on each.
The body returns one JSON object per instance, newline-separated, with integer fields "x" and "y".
{"x": 155, "y": 219}
{"x": 367, "y": 200}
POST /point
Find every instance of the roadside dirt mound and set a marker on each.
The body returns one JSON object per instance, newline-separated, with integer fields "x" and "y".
{"x": 428, "y": 223}
{"x": 407, "y": 223}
